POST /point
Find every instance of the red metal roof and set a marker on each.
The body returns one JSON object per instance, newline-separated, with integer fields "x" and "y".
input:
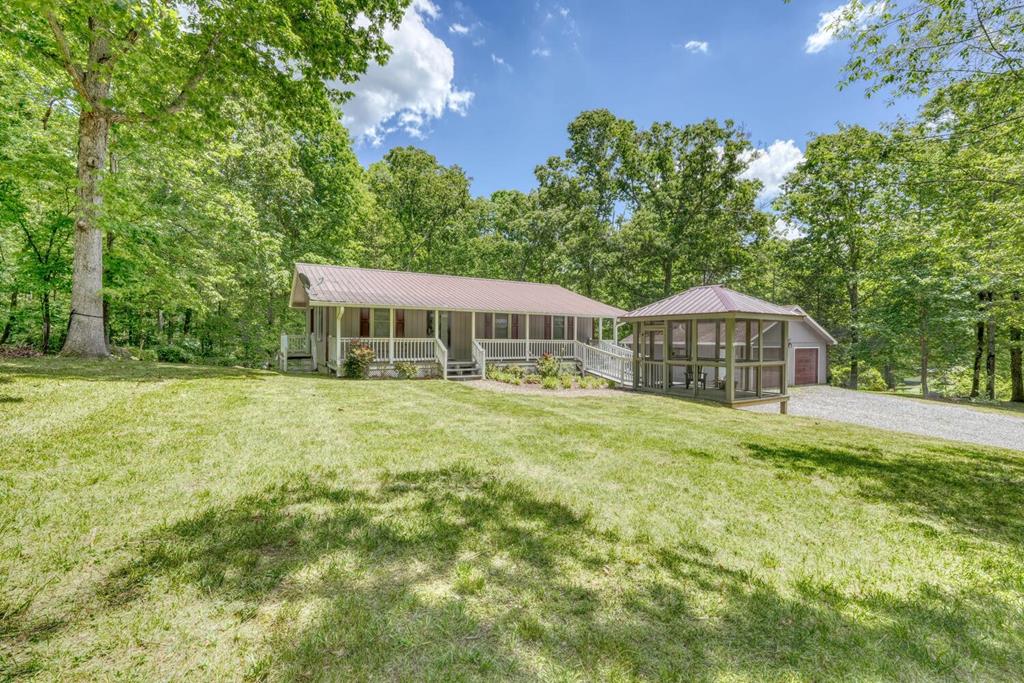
{"x": 368, "y": 287}
{"x": 709, "y": 300}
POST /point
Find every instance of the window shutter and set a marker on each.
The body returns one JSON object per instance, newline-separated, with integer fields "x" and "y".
{"x": 515, "y": 326}
{"x": 570, "y": 324}
{"x": 400, "y": 322}
{"x": 547, "y": 327}
{"x": 364, "y": 322}
{"x": 488, "y": 326}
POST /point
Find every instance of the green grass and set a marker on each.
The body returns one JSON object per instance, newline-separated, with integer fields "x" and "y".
{"x": 171, "y": 523}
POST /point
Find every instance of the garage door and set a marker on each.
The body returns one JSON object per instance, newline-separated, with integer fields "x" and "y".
{"x": 806, "y": 366}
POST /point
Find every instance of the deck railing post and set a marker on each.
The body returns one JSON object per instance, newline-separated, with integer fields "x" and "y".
{"x": 730, "y": 360}
{"x": 284, "y": 352}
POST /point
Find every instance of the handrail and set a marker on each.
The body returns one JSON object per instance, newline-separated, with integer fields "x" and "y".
{"x": 613, "y": 347}
{"x": 441, "y": 356}
{"x": 480, "y": 357}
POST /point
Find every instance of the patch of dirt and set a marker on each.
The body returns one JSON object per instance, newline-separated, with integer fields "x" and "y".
{"x": 502, "y": 388}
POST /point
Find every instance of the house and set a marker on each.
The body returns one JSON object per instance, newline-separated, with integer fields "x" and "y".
{"x": 808, "y": 349}
{"x": 445, "y": 324}
{"x": 715, "y": 343}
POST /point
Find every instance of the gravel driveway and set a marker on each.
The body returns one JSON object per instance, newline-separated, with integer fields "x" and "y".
{"x": 960, "y": 423}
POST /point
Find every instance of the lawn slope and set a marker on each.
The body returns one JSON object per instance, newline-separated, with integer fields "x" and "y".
{"x": 172, "y": 522}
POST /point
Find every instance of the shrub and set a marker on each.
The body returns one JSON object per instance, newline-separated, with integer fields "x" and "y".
{"x": 548, "y": 366}
{"x": 406, "y": 370}
{"x": 147, "y": 354}
{"x": 566, "y": 381}
{"x": 868, "y": 379}
{"x": 515, "y": 370}
{"x": 188, "y": 351}
{"x": 492, "y": 372}
{"x": 532, "y": 378}
{"x": 550, "y": 382}
{"x": 590, "y": 382}
{"x": 358, "y": 360}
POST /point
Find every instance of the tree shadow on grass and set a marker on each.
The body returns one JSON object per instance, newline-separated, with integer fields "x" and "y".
{"x": 450, "y": 573}
{"x": 975, "y": 492}
{"x": 120, "y": 370}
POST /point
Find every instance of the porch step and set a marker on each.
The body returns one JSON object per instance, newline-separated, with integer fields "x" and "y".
{"x": 463, "y": 370}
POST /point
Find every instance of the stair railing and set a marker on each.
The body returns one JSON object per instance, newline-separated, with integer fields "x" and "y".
{"x": 441, "y": 356}
{"x": 480, "y": 357}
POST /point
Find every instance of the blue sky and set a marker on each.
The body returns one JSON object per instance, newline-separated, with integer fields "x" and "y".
{"x": 491, "y": 86}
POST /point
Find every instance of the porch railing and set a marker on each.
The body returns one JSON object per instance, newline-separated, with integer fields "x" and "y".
{"x": 527, "y": 350}
{"x": 612, "y": 347}
{"x": 606, "y": 363}
{"x": 652, "y": 375}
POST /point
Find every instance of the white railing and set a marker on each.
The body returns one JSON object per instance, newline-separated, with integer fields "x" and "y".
{"x": 652, "y": 375}
{"x": 441, "y": 356}
{"x": 504, "y": 349}
{"x": 612, "y": 347}
{"x": 418, "y": 350}
{"x": 480, "y": 357}
{"x": 606, "y": 364}
{"x": 559, "y": 348}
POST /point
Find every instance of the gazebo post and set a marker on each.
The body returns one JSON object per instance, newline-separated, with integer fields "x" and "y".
{"x": 694, "y": 341}
{"x": 760, "y": 358}
{"x": 637, "y": 328}
{"x": 666, "y": 348}
{"x": 784, "y": 403}
{"x": 730, "y": 360}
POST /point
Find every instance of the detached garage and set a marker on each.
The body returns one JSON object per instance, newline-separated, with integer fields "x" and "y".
{"x": 808, "y": 350}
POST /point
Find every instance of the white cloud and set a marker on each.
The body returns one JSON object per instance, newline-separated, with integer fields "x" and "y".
{"x": 500, "y": 62}
{"x": 771, "y": 166}
{"x": 696, "y": 46}
{"x": 831, "y": 23}
{"x": 787, "y": 231}
{"x": 458, "y": 28}
{"x": 541, "y": 52}
{"x": 414, "y": 87}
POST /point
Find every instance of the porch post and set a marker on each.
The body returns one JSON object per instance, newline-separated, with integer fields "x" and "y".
{"x": 338, "y": 311}
{"x": 600, "y": 328}
{"x": 437, "y": 324}
{"x": 472, "y": 326}
{"x": 760, "y": 358}
{"x": 730, "y": 361}
{"x": 526, "y": 355}
{"x": 284, "y": 352}
{"x": 391, "y": 335}
{"x": 615, "y": 332}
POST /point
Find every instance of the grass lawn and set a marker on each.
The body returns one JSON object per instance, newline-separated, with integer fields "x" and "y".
{"x": 171, "y": 522}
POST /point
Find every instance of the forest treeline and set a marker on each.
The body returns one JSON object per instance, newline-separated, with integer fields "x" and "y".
{"x": 907, "y": 243}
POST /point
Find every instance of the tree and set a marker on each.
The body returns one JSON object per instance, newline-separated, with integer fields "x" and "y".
{"x": 834, "y": 195}
{"x": 137, "y": 63}
{"x": 422, "y": 209}
{"x": 702, "y": 213}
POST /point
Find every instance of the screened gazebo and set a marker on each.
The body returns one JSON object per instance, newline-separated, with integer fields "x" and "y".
{"x": 714, "y": 343}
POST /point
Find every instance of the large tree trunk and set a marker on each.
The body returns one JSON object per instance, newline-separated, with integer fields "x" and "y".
{"x": 46, "y": 322}
{"x": 990, "y": 360}
{"x": 854, "y": 292}
{"x": 1016, "y": 351}
{"x": 9, "y": 327}
{"x": 979, "y": 349}
{"x": 86, "y": 334}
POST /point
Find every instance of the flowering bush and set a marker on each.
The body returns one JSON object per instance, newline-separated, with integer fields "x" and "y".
{"x": 358, "y": 360}
{"x": 406, "y": 370}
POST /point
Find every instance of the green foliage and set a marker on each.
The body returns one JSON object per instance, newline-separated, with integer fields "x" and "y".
{"x": 548, "y": 366}
{"x": 532, "y": 378}
{"x": 870, "y": 379}
{"x": 550, "y": 382}
{"x": 358, "y": 360}
{"x": 406, "y": 370}
{"x": 566, "y": 380}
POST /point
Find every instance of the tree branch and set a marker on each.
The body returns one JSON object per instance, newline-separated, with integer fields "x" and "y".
{"x": 74, "y": 71}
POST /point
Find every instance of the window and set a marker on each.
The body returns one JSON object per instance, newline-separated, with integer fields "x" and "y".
{"x": 680, "y": 336}
{"x": 772, "y": 333}
{"x": 501, "y": 325}
{"x": 559, "y": 327}
{"x": 381, "y": 322}
{"x": 711, "y": 339}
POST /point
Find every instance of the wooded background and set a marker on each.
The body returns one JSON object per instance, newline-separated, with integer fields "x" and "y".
{"x": 907, "y": 243}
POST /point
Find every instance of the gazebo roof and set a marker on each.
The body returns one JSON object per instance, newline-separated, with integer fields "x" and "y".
{"x": 710, "y": 300}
